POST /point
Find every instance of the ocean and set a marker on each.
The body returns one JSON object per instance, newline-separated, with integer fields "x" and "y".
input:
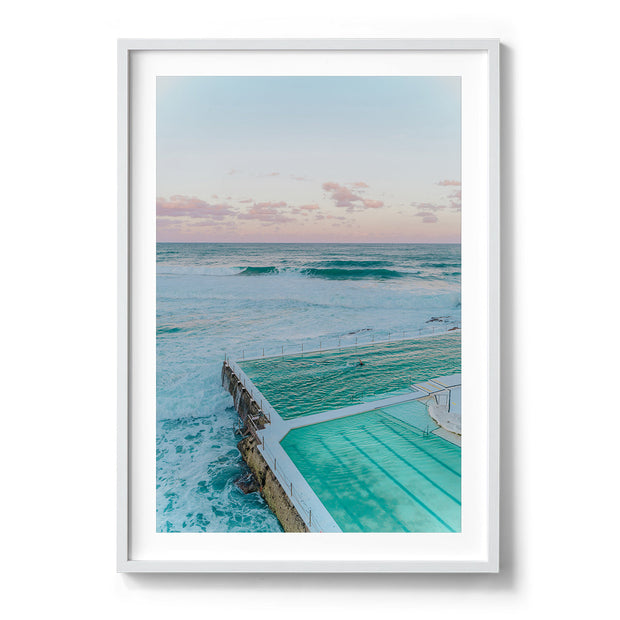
{"x": 246, "y": 300}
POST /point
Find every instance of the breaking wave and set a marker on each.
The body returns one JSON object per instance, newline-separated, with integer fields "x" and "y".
{"x": 335, "y": 273}
{"x": 258, "y": 271}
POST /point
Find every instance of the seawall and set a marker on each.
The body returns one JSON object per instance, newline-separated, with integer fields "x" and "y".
{"x": 252, "y": 420}
{"x": 270, "y": 488}
{"x": 244, "y": 403}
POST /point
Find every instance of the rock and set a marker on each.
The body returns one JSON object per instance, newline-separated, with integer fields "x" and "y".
{"x": 247, "y": 483}
{"x": 437, "y": 319}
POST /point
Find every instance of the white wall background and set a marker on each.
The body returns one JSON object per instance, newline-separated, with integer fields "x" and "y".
{"x": 560, "y": 239}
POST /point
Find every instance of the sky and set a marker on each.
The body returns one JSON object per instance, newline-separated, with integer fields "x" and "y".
{"x": 309, "y": 159}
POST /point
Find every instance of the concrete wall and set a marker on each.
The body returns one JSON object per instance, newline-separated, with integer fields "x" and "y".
{"x": 448, "y": 419}
{"x": 243, "y": 402}
{"x": 270, "y": 488}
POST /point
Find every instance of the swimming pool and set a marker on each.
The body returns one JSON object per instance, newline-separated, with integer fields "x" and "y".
{"x": 300, "y": 385}
{"x": 382, "y": 470}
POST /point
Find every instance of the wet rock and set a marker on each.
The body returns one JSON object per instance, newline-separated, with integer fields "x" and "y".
{"x": 437, "y": 319}
{"x": 247, "y": 483}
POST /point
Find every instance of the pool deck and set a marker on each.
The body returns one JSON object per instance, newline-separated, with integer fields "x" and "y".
{"x": 302, "y": 496}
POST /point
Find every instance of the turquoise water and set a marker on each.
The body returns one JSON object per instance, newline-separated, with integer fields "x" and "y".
{"x": 413, "y": 413}
{"x": 306, "y": 384}
{"x": 375, "y": 473}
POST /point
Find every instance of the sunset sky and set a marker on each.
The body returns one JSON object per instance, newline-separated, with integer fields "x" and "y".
{"x": 309, "y": 159}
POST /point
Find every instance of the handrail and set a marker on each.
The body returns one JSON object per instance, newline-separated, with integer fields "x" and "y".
{"x": 355, "y": 341}
{"x": 297, "y": 499}
{"x": 266, "y": 409}
{"x": 263, "y": 404}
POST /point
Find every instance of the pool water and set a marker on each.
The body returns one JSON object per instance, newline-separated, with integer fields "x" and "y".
{"x": 375, "y": 472}
{"x": 300, "y": 385}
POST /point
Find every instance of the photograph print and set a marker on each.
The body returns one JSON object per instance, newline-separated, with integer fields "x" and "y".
{"x": 308, "y": 304}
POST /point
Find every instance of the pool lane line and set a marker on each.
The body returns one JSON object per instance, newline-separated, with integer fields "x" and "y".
{"x": 421, "y": 473}
{"x": 335, "y": 495}
{"x": 415, "y": 445}
{"x": 402, "y": 487}
{"x": 369, "y": 496}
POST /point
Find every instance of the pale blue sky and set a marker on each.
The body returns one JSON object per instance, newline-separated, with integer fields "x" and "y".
{"x": 235, "y": 142}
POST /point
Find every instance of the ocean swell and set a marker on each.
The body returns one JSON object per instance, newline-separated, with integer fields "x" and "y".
{"x": 258, "y": 271}
{"x": 335, "y": 273}
{"x": 355, "y": 263}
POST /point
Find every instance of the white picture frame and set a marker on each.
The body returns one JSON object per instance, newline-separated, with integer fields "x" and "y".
{"x": 138, "y": 62}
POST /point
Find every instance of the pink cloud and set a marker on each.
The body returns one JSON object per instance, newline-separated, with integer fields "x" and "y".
{"x": 428, "y": 206}
{"x": 359, "y": 184}
{"x": 266, "y": 212}
{"x": 309, "y": 207}
{"x": 372, "y": 204}
{"x": 428, "y": 218}
{"x": 177, "y": 223}
{"x": 427, "y": 211}
{"x": 455, "y": 200}
{"x": 247, "y": 201}
{"x": 344, "y": 197}
{"x": 184, "y": 206}
{"x": 447, "y": 183}
{"x": 168, "y": 225}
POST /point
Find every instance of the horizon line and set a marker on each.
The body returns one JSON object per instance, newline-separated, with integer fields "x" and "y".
{"x": 321, "y": 242}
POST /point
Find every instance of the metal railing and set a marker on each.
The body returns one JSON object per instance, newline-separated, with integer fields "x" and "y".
{"x": 297, "y": 499}
{"x": 247, "y": 424}
{"x": 334, "y": 343}
{"x": 262, "y": 403}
